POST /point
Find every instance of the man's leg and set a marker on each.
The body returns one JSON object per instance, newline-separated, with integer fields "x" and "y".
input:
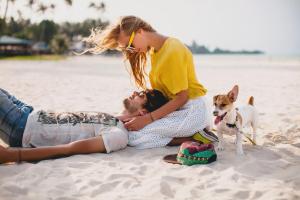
{"x": 6, "y": 106}
{"x": 13, "y": 99}
{"x": 11, "y": 110}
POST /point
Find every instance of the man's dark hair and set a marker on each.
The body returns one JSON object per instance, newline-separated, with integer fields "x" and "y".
{"x": 155, "y": 99}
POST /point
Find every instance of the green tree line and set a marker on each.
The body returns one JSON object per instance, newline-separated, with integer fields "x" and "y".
{"x": 54, "y": 34}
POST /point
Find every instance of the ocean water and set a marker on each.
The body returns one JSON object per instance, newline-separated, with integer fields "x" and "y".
{"x": 103, "y": 81}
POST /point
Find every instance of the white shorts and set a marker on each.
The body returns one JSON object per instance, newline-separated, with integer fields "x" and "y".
{"x": 185, "y": 122}
{"x": 116, "y": 138}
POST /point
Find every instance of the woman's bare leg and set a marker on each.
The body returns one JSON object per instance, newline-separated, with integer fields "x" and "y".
{"x": 178, "y": 141}
{"x": 91, "y": 145}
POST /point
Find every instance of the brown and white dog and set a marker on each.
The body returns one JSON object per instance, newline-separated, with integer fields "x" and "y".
{"x": 230, "y": 120}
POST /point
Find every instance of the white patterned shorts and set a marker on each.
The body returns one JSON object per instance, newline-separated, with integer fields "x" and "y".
{"x": 186, "y": 121}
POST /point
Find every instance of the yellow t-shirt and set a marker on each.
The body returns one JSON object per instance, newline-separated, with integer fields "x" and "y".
{"x": 173, "y": 70}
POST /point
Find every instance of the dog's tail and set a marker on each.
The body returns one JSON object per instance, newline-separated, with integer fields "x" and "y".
{"x": 251, "y": 101}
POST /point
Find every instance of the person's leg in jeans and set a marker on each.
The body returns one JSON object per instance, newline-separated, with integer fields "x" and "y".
{"x": 16, "y": 101}
{"x": 12, "y": 118}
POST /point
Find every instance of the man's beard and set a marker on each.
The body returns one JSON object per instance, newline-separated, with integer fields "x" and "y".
{"x": 128, "y": 107}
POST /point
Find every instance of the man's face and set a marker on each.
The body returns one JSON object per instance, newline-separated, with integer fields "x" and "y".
{"x": 135, "y": 102}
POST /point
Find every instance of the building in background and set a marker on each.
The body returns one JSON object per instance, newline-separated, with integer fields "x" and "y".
{"x": 10, "y": 46}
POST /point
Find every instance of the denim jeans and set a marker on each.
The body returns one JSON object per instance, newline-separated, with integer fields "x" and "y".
{"x": 13, "y": 118}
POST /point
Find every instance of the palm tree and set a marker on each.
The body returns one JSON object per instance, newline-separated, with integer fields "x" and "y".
{"x": 20, "y": 14}
{"x": 52, "y": 6}
{"x": 100, "y": 6}
{"x": 6, "y": 7}
{"x": 42, "y": 8}
{"x": 69, "y": 2}
{"x": 31, "y": 3}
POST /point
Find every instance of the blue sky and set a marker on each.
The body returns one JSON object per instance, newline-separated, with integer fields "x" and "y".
{"x": 269, "y": 25}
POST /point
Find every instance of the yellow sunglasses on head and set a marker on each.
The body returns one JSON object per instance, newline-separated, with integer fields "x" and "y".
{"x": 130, "y": 41}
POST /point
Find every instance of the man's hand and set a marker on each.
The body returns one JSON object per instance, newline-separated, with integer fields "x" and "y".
{"x": 137, "y": 123}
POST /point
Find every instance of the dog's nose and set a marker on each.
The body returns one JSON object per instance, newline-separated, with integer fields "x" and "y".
{"x": 215, "y": 113}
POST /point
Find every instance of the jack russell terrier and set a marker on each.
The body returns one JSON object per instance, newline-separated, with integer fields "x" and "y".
{"x": 230, "y": 120}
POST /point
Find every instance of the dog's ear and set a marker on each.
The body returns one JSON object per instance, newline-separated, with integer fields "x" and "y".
{"x": 233, "y": 93}
{"x": 215, "y": 98}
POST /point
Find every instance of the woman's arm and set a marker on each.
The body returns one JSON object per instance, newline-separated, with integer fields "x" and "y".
{"x": 180, "y": 99}
{"x": 138, "y": 123}
{"x": 91, "y": 145}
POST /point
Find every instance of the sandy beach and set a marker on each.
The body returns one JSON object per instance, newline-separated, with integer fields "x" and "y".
{"x": 269, "y": 170}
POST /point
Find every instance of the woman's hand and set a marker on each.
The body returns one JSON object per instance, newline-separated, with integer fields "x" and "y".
{"x": 137, "y": 123}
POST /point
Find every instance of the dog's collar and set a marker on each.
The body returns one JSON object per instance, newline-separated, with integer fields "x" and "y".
{"x": 234, "y": 124}
{"x": 231, "y": 125}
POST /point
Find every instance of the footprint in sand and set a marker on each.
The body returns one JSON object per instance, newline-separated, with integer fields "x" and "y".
{"x": 67, "y": 198}
{"x": 112, "y": 164}
{"x": 88, "y": 99}
{"x": 260, "y": 154}
{"x": 130, "y": 184}
{"x": 242, "y": 194}
{"x": 195, "y": 194}
{"x": 166, "y": 190}
{"x": 142, "y": 170}
{"x": 221, "y": 190}
{"x": 120, "y": 176}
{"x": 16, "y": 190}
{"x": 63, "y": 186}
{"x": 79, "y": 165}
{"x": 287, "y": 120}
{"x": 281, "y": 114}
{"x": 131, "y": 181}
{"x": 177, "y": 180}
{"x": 296, "y": 145}
{"x": 276, "y": 138}
{"x": 235, "y": 177}
{"x": 108, "y": 187}
{"x": 257, "y": 195}
{"x": 94, "y": 183}
{"x": 280, "y": 139}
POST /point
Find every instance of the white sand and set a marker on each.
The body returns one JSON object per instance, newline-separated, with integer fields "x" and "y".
{"x": 267, "y": 171}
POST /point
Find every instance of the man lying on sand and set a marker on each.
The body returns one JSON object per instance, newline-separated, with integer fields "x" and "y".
{"x": 84, "y": 132}
{"x": 68, "y": 133}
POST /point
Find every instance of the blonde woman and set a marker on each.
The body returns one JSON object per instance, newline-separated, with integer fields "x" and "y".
{"x": 172, "y": 72}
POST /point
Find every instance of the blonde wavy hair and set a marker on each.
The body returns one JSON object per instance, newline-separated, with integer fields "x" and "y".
{"x": 104, "y": 39}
